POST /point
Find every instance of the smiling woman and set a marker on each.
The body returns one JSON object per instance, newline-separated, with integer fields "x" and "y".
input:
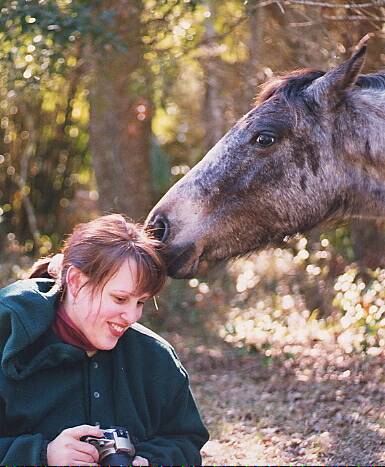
{"x": 104, "y": 315}
{"x": 73, "y": 356}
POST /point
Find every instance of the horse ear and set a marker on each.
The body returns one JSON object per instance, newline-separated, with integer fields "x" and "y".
{"x": 335, "y": 82}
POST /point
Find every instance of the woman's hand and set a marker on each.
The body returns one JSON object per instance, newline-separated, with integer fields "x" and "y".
{"x": 140, "y": 461}
{"x": 67, "y": 449}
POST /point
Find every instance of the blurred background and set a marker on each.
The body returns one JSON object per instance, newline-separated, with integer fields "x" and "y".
{"x": 105, "y": 104}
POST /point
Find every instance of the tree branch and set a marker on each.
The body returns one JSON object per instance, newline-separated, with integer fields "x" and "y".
{"x": 346, "y": 6}
{"x": 353, "y": 18}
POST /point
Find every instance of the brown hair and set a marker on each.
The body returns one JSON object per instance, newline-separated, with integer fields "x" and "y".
{"x": 99, "y": 247}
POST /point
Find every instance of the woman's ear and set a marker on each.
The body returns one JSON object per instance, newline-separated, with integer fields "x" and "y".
{"x": 75, "y": 280}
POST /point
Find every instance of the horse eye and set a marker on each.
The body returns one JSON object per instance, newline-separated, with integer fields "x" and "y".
{"x": 264, "y": 140}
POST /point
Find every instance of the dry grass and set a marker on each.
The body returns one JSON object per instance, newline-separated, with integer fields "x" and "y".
{"x": 323, "y": 407}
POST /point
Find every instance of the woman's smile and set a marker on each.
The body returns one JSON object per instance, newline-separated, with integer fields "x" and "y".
{"x": 116, "y": 329}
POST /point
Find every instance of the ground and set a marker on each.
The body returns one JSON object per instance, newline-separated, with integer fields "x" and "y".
{"x": 321, "y": 407}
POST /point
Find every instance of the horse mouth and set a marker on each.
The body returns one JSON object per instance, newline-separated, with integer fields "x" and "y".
{"x": 189, "y": 262}
{"x": 186, "y": 271}
{"x": 182, "y": 263}
{"x": 186, "y": 263}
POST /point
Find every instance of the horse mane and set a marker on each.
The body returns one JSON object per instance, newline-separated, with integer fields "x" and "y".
{"x": 372, "y": 81}
{"x": 291, "y": 84}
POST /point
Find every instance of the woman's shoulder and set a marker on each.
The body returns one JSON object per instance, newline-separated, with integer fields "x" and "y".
{"x": 142, "y": 332}
{"x": 147, "y": 338}
{"x": 29, "y": 292}
{"x": 151, "y": 345}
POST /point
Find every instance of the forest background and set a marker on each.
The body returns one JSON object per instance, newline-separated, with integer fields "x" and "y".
{"x": 105, "y": 104}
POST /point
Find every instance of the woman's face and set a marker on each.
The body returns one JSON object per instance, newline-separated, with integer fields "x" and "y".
{"x": 105, "y": 315}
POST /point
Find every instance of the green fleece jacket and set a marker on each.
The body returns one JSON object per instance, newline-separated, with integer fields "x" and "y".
{"x": 47, "y": 385}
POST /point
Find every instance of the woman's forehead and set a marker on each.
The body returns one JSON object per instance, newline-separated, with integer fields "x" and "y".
{"x": 125, "y": 278}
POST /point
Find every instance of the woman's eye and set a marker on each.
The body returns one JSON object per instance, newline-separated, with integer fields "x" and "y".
{"x": 120, "y": 299}
{"x": 141, "y": 302}
{"x": 264, "y": 140}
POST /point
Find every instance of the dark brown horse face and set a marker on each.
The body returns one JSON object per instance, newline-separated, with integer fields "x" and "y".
{"x": 272, "y": 175}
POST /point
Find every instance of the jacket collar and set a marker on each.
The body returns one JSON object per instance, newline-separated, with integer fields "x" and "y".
{"x": 27, "y": 343}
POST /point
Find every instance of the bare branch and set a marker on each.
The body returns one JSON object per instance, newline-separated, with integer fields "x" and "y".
{"x": 263, "y": 3}
{"x": 346, "y": 6}
{"x": 353, "y": 18}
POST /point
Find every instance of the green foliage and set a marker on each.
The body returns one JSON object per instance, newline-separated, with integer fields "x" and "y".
{"x": 43, "y": 158}
{"x": 160, "y": 166}
{"x": 44, "y": 117}
{"x": 54, "y": 26}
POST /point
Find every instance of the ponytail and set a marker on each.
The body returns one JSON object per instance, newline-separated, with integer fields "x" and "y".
{"x": 40, "y": 268}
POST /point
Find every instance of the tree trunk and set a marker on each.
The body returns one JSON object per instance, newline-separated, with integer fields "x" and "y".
{"x": 120, "y": 120}
{"x": 213, "y": 115}
{"x": 256, "y": 25}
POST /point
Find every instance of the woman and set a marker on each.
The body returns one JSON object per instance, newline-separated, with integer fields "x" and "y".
{"x": 73, "y": 357}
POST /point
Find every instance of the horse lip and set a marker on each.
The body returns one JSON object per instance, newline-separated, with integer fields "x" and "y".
{"x": 184, "y": 272}
{"x": 182, "y": 262}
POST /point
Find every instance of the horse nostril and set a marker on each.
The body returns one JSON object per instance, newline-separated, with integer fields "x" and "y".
{"x": 159, "y": 228}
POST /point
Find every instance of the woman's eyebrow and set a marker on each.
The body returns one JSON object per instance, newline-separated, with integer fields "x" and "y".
{"x": 123, "y": 292}
{"x": 130, "y": 294}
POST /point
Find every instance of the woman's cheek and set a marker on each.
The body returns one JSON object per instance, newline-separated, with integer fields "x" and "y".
{"x": 112, "y": 312}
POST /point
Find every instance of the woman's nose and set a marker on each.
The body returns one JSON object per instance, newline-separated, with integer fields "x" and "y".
{"x": 130, "y": 315}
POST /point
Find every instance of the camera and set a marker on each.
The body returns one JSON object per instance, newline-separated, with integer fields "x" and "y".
{"x": 115, "y": 447}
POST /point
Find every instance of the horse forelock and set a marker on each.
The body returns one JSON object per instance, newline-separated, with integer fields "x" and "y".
{"x": 290, "y": 85}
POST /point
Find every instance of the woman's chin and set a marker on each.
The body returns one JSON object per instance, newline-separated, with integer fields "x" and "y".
{"x": 106, "y": 344}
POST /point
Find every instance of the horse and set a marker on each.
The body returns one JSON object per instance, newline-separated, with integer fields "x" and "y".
{"x": 311, "y": 150}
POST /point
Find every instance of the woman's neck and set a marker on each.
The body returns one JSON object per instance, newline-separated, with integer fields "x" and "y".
{"x": 68, "y": 304}
{"x": 67, "y": 329}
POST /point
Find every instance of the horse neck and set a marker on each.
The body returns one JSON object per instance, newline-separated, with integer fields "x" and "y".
{"x": 367, "y": 165}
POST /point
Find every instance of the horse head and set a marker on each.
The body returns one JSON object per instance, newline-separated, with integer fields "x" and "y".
{"x": 311, "y": 150}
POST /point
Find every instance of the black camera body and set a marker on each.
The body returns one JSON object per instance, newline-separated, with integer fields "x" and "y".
{"x": 115, "y": 447}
